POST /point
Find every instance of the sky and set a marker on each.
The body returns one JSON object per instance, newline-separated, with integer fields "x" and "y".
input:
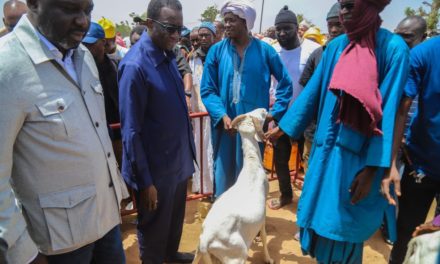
{"x": 314, "y": 10}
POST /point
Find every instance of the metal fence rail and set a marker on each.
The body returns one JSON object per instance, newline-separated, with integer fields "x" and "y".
{"x": 190, "y": 197}
{"x": 201, "y": 116}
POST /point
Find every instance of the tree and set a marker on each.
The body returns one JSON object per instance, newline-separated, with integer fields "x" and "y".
{"x": 432, "y": 16}
{"x": 210, "y": 13}
{"x": 143, "y": 16}
{"x": 124, "y": 28}
{"x": 300, "y": 18}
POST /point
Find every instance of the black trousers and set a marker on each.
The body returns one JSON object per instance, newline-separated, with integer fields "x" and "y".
{"x": 414, "y": 205}
{"x": 159, "y": 231}
{"x": 282, "y": 150}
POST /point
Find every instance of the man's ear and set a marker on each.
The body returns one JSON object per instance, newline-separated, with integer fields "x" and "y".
{"x": 149, "y": 23}
{"x": 425, "y": 35}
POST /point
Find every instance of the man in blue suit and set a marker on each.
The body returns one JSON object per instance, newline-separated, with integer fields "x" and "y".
{"x": 158, "y": 145}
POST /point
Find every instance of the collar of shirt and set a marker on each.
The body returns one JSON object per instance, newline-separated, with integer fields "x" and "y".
{"x": 66, "y": 62}
{"x": 157, "y": 55}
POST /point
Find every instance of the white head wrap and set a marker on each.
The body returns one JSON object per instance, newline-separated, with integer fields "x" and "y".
{"x": 241, "y": 8}
{"x": 306, "y": 24}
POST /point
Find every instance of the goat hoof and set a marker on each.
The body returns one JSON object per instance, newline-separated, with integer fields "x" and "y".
{"x": 269, "y": 261}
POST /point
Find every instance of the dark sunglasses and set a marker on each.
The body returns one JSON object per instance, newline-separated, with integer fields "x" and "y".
{"x": 171, "y": 29}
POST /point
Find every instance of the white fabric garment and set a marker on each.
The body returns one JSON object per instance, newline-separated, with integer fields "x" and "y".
{"x": 424, "y": 249}
{"x": 196, "y": 66}
{"x": 243, "y": 9}
{"x": 294, "y": 60}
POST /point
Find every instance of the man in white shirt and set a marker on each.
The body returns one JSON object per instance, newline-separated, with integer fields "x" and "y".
{"x": 206, "y": 34}
{"x": 294, "y": 53}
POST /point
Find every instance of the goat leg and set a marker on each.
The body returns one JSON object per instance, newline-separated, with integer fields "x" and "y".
{"x": 263, "y": 233}
{"x": 198, "y": 256}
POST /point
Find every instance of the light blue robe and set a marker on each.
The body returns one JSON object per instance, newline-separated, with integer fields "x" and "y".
{"x": 260, "y": 62}
{"x": 339, "y": 153}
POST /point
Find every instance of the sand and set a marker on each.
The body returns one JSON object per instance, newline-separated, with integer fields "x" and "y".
{"x": 280, "y": 226}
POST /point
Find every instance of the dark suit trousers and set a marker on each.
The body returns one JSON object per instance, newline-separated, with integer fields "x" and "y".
{"x": 282, "y": 149}
{"x": 159, "y": 231}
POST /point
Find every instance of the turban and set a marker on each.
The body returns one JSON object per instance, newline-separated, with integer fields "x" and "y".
{"x": 241, "y": 8}
{"x": 379, "y": 4}
{"x": 361, "y": 103}
{"x": 209, "y": 26}
{"x": 286, "y": 16}
{"x": 304, "y": 23}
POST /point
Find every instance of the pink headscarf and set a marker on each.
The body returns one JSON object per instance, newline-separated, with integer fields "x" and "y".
{"x": 356, "y": 73}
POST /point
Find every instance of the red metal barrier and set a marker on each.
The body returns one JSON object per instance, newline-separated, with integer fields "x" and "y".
{"x": 294, "y": 174}
{"x": 201, "y": 117}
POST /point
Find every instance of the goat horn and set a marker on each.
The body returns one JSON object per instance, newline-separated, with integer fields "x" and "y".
{"x": 237, "y": 120}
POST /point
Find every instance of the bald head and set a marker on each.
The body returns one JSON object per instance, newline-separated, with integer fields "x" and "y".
{"x": 12, "y": 12}
{"x": 412, "y": 29}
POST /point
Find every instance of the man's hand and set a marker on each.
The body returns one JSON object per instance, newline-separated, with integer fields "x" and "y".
{"x": 40, "y": 259}
{"x": 361, "y": 185}
{"x": 425, "y": 229}
{"x": 148, "y": 199}
{"x": 391, "y": 176}
{"x": 227, "y": 125}
{"x": 273, "y": 134}
{"x": 269, "y": 118}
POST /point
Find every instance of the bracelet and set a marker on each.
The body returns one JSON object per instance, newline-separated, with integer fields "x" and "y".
{"x": 188, "y": 93}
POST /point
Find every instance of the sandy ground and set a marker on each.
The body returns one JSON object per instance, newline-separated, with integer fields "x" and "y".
{"x": 280, "y": 227}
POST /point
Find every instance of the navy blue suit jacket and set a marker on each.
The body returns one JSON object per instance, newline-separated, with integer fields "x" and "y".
{"x": 158, "y": 143}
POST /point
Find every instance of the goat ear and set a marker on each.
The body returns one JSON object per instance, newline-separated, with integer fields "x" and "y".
{"x": 237, "y": 120}
{"x": 259, "y": 136}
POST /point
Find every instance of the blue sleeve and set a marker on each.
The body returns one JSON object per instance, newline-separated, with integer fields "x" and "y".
{"x": 133, "y": 95}
{"x": 380, "y": 147}
{"x": 283, "y": 91}
{"x": 209, "y": 88}
{"x": 416, "y": 71}
{"x": 303, "y": 109}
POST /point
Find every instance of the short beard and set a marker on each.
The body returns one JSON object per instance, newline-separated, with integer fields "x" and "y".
{"x": 45, "y": 28}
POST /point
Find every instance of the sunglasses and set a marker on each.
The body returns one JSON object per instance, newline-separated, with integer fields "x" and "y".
{"x": 171, "y": 29}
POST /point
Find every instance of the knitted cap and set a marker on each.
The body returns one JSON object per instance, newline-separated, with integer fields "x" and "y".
{"x": 286, "y": 16}
{"x": 334, "y": 11}
{"x": 209, "y": 26}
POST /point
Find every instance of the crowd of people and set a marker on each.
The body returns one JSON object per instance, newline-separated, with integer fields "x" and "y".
{"x": 360, "y": 102}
